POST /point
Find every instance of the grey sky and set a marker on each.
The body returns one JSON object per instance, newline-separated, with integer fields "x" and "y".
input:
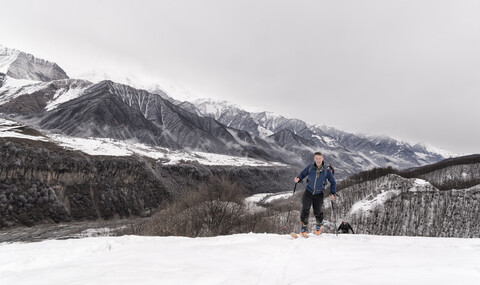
{"x": 407, "y": 69}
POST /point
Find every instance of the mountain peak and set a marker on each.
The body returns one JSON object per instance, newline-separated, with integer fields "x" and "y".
{"x": 20, "y": 65}
{"x": 96, "y": 76}
{"x": 437, "y": 150}
{"x": 7, "y": 57}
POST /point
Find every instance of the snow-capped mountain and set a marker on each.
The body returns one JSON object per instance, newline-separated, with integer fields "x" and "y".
{"x": 82, "y": 107}
{"x": 172, "y": 92}
{"x": 358, "y": 151}
{"x": 112, "y": 110}
{"x": 20, "y": 65}
{"x": 96, "y": 76}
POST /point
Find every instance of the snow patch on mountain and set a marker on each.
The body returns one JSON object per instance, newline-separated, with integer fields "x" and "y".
{"x": 12, "y": 133}
{"x": 11, "y": 129}
{"x": 264, "y": 132}
{"x": 10, "y": 83}
{"x": 326, "y": 140}
{"x": 176, "y": 157}
{"x": 15, "y": 88}
{"x": 268, "y": 197}
{"x": 421, "y": 182}
{"x": 252, "y": 202}
{"x": 65, "y": 95}
{"x": 421, "y": 185}
{"x": 371, "y": 202}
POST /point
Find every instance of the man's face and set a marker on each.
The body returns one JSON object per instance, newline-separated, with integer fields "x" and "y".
{"x": 318, "y": 159}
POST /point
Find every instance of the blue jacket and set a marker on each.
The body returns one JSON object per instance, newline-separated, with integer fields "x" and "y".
{"x": 317, "y": 178}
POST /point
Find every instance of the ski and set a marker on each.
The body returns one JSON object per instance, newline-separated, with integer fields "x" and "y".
{"x": 295, "y": 235}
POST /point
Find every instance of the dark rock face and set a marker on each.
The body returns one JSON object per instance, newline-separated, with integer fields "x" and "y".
{"x": 41, "y": 182}
{"x": 2, "y": 77}
{"x": 188, "y": 130}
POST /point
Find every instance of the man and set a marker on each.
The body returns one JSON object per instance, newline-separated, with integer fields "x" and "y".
{"x": 318, "y": 173}
{"x": 345, "y": 227}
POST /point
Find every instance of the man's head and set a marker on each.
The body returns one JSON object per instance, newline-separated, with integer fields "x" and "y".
{"x": 318, "y": 158}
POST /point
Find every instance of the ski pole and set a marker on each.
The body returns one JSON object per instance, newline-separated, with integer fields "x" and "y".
{"x": 334, "y": 218}
{"x": 291, "y": 204}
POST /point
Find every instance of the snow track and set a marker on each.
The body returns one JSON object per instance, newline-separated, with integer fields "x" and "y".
{"x": 243, "y": 259}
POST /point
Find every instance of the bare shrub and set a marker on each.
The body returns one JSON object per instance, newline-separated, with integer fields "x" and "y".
{"x": 215, "y": 209}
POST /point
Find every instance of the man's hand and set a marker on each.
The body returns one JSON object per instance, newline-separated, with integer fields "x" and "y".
{"x": 296, "y": 179}
{"x": 332, "y": 197}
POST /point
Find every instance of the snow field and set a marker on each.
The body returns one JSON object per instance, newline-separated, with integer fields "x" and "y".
{"x": 243, "y": 259}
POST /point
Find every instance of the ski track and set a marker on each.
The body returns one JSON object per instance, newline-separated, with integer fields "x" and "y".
{"x": 278, "y": 266}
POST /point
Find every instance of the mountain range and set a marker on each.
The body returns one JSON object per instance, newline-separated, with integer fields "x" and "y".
{"x": 39, "y": 93}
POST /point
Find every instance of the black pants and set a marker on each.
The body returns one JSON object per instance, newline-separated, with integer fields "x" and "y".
{"x": 307, "y": 200}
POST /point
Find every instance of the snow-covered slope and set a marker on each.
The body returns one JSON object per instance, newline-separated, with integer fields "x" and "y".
{"x": 243, "y": 259}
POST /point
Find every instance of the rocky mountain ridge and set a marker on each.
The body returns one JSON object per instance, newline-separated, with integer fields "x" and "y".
{"x": 350, "y": 152}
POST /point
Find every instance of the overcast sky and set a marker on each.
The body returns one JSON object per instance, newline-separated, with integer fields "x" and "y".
{"x": 406, "y": 69}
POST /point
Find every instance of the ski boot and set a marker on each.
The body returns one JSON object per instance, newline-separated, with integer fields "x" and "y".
{"x": 318, "y": 229}
{"x": 304, "y": 231}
